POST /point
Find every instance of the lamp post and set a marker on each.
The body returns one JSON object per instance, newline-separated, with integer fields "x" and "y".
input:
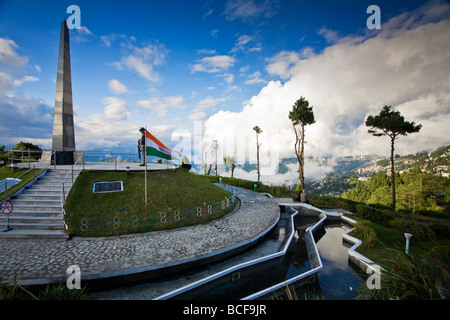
{"x": 408, "y": 237}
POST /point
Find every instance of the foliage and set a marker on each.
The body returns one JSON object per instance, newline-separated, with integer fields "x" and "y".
{"x": 382, "y": 217}
{"x": 25, "y": 175}
{"x": 414, "y": 276}
{"x": 301, "y": 115}
{"x": 27, "y": 146}
{"x": 416, "y": 191}
{"x": 392, "y": 124}
{"x": 420, "y": 231}
{"x": 329, "y": 202}
{"x": 61, "y": 292}
{"x": 14, "y": 291}
{"x": 364, "y": 232}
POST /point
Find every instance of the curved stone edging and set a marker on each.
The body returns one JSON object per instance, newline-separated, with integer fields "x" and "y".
{"x": 42, "y": 261}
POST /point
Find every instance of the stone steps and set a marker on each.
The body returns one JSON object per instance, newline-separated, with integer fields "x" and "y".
{"x": 38, "y": 210}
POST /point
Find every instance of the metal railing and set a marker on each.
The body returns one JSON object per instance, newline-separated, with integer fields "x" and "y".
{"x": 63, "y": 192}
{"x": 26, "y": 183}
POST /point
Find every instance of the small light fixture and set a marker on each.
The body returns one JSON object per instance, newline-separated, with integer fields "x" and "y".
{"x": 408, "y": 237}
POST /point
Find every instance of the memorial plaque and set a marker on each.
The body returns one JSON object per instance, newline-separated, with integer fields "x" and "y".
{"x": 107, "y": 186}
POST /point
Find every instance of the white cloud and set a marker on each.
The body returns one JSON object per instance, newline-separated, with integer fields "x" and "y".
{"x": 108, "y": 39}
{"x": 159, "y": 106}
{"x": 281, "y": 63}
{"x": 330, "y": 36}
{"x": 9, "y": 56}
{"x": 242, "y": 44}
{"x": 25, "y": 79}
{"x": 255, "y": 78}
{"x": 117, "y": 87}
{"x": 214, "y": 64}
{"x": 406, "y": 65}
{"x": 142, "y": 60}
{"x": 115, "y": 108}
{"x": 83, "y": 34}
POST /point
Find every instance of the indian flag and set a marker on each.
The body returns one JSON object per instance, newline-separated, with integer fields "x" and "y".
{"x": 156, "y": 148}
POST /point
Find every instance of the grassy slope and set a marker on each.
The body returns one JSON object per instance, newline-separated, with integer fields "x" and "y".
{"x": 9, "y": 173}
{"x": 166, "y": 189}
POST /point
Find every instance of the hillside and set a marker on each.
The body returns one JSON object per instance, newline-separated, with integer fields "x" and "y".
{"x": 351, "y": 170}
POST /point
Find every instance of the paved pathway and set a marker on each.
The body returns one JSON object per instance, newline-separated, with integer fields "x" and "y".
{"x": 32, "y": 260}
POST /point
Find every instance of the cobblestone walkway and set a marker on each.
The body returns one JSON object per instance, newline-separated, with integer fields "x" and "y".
{"x": 31, "y": 260}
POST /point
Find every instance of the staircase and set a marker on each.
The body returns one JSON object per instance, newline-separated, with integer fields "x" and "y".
{"x": 37, "y": 210}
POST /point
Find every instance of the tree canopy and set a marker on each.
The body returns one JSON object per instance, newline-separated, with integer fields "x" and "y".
{"x": 301, "y": 115}
{"x": 392, "y": 124}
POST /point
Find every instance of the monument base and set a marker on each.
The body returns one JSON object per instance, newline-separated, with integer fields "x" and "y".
{"x": 63, "y": 158}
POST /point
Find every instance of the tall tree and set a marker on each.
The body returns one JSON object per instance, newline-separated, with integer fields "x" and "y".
{"x": 301, "y": 115}
{"x": 392, "y": 124}
{"x": 258, "y": 130}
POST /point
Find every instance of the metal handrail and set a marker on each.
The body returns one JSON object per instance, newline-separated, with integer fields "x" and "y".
{"x": 63, "y": 195}
{"x": 34, "y": 177}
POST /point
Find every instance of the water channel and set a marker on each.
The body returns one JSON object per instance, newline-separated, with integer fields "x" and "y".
{"x": 337, "y": 280}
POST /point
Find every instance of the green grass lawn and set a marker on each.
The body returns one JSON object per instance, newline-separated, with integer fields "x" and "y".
{"x": 6, "y": 172}
{"x": 389, "y": 238}
{"x": 177, "y": 190}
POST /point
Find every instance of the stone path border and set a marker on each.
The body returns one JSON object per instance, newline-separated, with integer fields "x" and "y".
{"x": 42, "y": 261}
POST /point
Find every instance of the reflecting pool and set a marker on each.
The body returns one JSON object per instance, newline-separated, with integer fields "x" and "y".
{"x": 338, "y": 280}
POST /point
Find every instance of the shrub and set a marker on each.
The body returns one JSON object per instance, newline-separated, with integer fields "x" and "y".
{"x": 382, "y": 217}
{"x": 329, "y": 202}
{"x": 419, "y": 230}
{"x": 364, "y": 232}
{"x": 441, "y": 231}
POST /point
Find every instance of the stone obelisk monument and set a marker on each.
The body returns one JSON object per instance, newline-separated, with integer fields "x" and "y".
{"x": 63, "y": 127}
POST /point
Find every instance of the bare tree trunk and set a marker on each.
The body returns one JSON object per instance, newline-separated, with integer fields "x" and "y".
{"x": 299, "y": 147}
{"x": 257, "y": 158}
{"x": 302, "y": 174}
{"x": 392, "y": 172}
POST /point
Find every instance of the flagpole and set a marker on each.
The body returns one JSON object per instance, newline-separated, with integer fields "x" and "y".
{"x": 145, "y": 164}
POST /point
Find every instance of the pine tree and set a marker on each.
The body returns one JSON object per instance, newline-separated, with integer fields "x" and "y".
{"x": 392, "y": 124}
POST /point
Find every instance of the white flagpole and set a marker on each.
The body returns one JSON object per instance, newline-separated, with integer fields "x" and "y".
{"x": 145, "y": 163}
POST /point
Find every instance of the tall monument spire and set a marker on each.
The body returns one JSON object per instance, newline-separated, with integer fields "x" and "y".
{"x": 63, "y": 127}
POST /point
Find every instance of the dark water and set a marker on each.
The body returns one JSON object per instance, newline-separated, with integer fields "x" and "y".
{"x": 338, "y": 280}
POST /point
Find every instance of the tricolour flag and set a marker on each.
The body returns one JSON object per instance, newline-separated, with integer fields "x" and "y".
{"x": 156, "y": 148}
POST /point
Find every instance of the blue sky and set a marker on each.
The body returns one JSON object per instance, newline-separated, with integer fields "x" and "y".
{"x": 227, "y": 64}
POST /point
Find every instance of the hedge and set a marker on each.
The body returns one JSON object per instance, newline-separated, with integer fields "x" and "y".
{"x": 382, "y": 217}
{"x": 364, "y": 232}
{"x": 419, "y": 230}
